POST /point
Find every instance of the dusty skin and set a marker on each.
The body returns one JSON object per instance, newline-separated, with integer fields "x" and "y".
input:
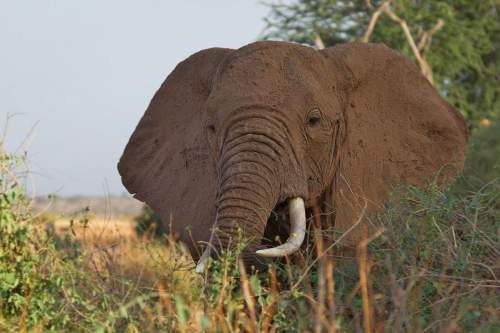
{"x": 231, "y": 135}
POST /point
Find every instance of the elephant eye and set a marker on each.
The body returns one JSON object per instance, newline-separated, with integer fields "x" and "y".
{"x": 314, "y": 120}
{"x": 211, "y": 127}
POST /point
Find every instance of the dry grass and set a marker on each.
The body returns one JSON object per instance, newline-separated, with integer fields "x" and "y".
{"x": 432, "y": 266}
{"x": 98, "y": 230}
{"x": 111, "y": 247}
{"x": 393, "y": 285}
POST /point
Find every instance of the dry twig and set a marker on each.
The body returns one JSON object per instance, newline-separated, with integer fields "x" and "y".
{"x": 425, "y": 38}
{"x": 319, "y": 43}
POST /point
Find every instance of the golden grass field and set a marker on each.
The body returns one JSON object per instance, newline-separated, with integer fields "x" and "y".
{"x": 98, "y": 230}
{"x": 112, "y": 245}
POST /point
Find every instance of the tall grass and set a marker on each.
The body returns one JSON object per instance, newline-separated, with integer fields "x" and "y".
{"x": 431, "y": 265}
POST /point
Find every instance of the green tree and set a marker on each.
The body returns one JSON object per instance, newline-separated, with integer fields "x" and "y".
{"x": 462, "y": 51}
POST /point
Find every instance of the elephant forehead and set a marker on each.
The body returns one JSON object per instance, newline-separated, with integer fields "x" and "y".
{"x": 273, "y": 75}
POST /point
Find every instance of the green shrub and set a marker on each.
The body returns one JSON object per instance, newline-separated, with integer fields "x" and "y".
{"x": 483, "y": 162}
{"x": 29, "y": 289}
{"x": 439, "y": 259}
{"x": 39, "y": 285}
{"x": 148, "y": 223}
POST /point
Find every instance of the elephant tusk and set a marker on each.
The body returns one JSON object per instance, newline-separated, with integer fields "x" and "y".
{"x": 297, "y": 212}
{"x": 202, "y": 263}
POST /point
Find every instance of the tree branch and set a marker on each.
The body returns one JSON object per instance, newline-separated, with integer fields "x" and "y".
{"x": 426, "y": 38}
{"x": 423, "y": 44}
{"x": 319, "y": 42}
{"x": 424, "y": 66}
{"x": 373, "y": 20}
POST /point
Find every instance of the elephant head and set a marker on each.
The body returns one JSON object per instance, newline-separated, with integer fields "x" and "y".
{"x": 234, "y": 135}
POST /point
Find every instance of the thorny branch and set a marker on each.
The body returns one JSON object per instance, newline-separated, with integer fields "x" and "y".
{"x": 424, "y": 66}
{"x": 319, "y": 43}
{"x": 373, "y": 20}
{"x": 425, "y": 38}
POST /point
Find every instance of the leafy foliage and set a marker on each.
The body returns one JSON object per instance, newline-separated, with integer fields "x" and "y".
{"x": 29, "y": 291}
{"x": 483, "y": 163}
{"x": 463, "y": 55}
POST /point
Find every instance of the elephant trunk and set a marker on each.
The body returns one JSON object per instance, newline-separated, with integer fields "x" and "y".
{"x": 248, "y": 195}
{"x": 254, "y": 175}
{"x": 249, "y": 188}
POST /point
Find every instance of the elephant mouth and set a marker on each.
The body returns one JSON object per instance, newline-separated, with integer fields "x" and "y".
{"x": 297, "y": 218}
{"x": 293, "y": 208}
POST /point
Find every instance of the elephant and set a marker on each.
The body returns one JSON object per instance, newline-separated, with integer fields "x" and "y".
{"x": 233, "y": 138}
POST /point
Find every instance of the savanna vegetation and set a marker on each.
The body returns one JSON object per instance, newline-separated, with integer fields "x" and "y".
{"x": 433, "y": 265}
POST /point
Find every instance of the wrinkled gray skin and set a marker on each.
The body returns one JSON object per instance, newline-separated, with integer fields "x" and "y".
{"x": 232, "y": 134}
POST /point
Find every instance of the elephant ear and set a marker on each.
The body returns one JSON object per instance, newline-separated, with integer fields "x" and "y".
{"x": 167, "y": 162}
{"x": 399, "y": 130}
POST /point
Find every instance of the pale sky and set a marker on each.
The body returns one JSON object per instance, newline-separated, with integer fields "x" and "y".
{"x": 84, "y": 72}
